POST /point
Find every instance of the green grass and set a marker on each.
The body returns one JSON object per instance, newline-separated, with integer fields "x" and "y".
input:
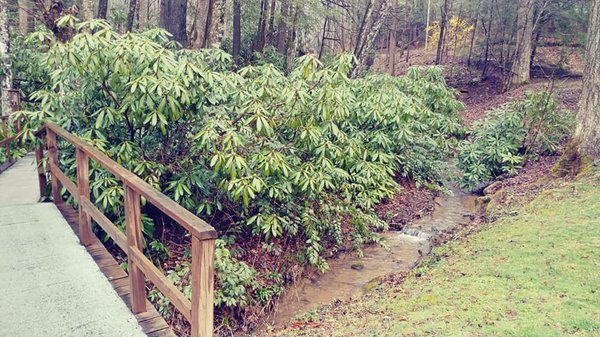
{"x": 533, "y": 274}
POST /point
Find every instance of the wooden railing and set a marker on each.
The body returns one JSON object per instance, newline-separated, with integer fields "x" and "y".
{"x": 198, "y": 311}
{"x": 6, "y": 142}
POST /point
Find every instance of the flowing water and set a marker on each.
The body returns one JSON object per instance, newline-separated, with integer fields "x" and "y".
{"x": 349, "y": 275}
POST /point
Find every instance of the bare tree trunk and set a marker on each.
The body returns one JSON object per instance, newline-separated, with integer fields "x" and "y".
{"x": 131, "y": 14}
{"x": 323, "y": 35}
{"x": 236, "y": 31}
{"x": 522, "y": 56}
{"x": 217, "y": 27}
{"x": 361, "y": 28}
{"x": 536, "y": 41}
{"x": 291, "y": 41}
{"x": 427, "y": 23}
{"x": 102, "y": 9}
{"x": 26, "y": 24}
{"x": 376, "y": 18}
{"x": 173, "y": 18}
{"x": 443, "y": 23}
{"x": 271, "y": 28}
{"x": 393, "y": 41}
{"x": 409, "y": 30}
{"x": 282, "y": 28}
{"x": 472, "y": 41}
{"x": 488, "y": 34}
{"x": 143, "y": 13}
{"x": 200, "y": 24}
{"x": 5, "y": 66}
{"x": 88, "y": 9}
{"x": 259, "y": 41}
{"x": 587, "y": 130}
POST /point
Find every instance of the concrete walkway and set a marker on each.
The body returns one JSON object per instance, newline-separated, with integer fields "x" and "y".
{"x": 19, "y": 184}
{"x": 50, "y": 285}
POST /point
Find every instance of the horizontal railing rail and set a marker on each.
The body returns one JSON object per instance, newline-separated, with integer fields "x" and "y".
{"x": 198, "y": 311}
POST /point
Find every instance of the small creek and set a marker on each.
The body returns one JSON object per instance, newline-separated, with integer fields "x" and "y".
{"x": 349, "y": 275}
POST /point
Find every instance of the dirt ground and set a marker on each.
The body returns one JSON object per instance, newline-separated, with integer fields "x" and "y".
{"x": 480, "y": 95}
{"x": 485, "y": 96}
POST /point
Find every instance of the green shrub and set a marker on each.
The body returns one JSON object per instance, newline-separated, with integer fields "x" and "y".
{"x": 508, "y": 135}
{"x": 299, "y": 158}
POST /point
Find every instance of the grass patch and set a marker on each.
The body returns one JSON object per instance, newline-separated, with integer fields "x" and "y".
{"x": 533, "y": 274}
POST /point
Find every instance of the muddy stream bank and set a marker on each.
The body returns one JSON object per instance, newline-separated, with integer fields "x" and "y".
{"x": 350, "y": 275}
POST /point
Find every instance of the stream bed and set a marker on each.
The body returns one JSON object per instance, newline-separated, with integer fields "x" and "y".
{"x": 349, "y": 275}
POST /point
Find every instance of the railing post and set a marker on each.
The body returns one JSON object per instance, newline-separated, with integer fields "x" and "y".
{"x": 39, "y": 159}
{"x": 83, "y": 187}
{"x": 4, "y": 122}
{"x": 134, "y": 241}
{"x": 203, "y": 254}
{"x": 53, "y": 160}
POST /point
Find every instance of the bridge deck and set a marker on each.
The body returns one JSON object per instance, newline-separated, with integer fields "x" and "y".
{"x": 52, "y": 285}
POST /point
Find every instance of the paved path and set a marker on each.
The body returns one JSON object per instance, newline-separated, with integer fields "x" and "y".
{"x": 19, "y": 184}
{"x": 49, "y": 284}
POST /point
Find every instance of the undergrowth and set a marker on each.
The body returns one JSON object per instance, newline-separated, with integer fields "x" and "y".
{"x": 510, "y": 134}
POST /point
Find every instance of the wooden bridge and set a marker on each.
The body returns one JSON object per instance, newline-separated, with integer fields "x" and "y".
{"x": 58, "y": 279}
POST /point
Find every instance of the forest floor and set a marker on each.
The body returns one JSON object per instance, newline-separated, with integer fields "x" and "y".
{"x": 534, "y": 272}
{"x": 482, "y": 97}
{"x": 556, "y": 69}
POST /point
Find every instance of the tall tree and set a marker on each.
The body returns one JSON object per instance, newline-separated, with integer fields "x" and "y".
{"x": 131, "y": 14}
{"x": 173, "y": 15}
{"x": 201, "y": 25}
{"x": 376, "y": 13}
{"x": 393, "y": 40}
{"x": 271, "y": 28}
{"x": 291, "y": 50}
{"x": 261, "y": 32}
{"x": 5, "y": 68}
{"x": 282, "y": 27}
{"x": 86, "y": 8}
{"x": 217, "y": 27}
{"x": 143, "y": 13}
{"x": 25, "y": 16}
{"x": 587, "y": 130}
{"x": 362, "y": 27}
{"x": 443, "y": 24}
{"x": 102, "y": 9}
{"x": 522, "y": 57}
{"x": 237, "y": 31}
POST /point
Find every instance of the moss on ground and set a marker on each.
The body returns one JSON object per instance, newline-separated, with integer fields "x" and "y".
{"x": 533, "y": 274}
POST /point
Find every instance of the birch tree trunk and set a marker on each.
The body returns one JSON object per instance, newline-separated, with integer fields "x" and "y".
{"x": 587, "y": 131}
{"x": 5, "y": 68}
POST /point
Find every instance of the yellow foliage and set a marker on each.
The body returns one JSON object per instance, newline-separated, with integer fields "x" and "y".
{"x": 457, "y": 35}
